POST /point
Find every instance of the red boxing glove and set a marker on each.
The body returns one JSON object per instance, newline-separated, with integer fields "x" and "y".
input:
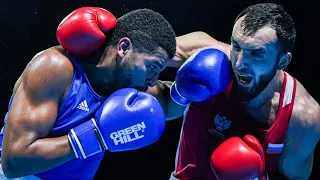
{"x": 82, "y": 31}
{"x": 237, "y": 159}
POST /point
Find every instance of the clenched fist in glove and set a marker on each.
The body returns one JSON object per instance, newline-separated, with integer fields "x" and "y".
{"x": 239, "y": 159}
{"x": 83, "y": 31}
{"x": 127, "y": 120}
{"x": 203, "y": 75}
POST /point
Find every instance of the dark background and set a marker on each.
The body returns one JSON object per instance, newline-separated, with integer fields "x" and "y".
{"x": 28, "y": 26}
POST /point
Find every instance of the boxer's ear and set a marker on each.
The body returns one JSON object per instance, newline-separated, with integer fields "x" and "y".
{"x": 124, "y": 46}
{"x": 284, "y": 61}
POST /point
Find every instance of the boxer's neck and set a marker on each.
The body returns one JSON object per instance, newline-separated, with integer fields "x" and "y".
{"x": 102, "y": 75}
{"x": 265, "y": 103}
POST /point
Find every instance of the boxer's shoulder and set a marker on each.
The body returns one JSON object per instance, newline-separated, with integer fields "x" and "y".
{"x": 302, "y": 136}
{"x": 306, "y": 112}
{"x": 53, "y": 60}
{"x": 51, "y": 57}
{"x": 48, "y": 69}
{"x": 305, "y": 108}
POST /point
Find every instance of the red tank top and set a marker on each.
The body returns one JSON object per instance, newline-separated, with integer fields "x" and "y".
{"x": 207, "y": 124}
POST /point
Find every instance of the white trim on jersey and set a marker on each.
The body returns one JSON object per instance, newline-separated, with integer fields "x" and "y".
{"x": 287, "y": 97}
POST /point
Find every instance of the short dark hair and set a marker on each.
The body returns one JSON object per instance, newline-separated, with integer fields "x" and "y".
{"x": 147, "y": 30}
{"x": 273, "y": 15}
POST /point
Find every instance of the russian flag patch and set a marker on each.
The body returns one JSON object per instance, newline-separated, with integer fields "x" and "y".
{"x": 274, "y": 148}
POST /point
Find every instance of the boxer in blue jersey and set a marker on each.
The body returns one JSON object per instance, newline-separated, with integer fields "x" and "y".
{"x": 76, "y": 101}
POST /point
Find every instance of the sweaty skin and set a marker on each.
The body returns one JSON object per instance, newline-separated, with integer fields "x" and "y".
{"x": 36, "y": 98}
{"x": 304, "y": 125}
{"x": 37, "y": 95}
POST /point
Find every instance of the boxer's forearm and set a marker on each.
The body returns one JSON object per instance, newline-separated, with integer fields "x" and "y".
{"x": 176, "y": 62}
{"x": 40, "y": 156}
{"x": 173, "y": 110}
{"x": 162, "y": 92}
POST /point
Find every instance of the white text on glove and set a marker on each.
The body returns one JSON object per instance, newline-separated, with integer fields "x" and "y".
{"x": 128, "y": 134}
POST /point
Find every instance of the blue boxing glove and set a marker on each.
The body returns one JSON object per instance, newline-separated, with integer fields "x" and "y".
{"x": 127, "y": 120}
{"x": 203, "y": 75}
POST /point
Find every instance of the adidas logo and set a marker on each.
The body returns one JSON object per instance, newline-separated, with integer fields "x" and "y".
{"x": 83, "y": 106}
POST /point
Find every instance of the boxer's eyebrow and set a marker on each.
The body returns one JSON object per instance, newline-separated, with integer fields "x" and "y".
{"x": 258, "y": 49}
{"x": 162, "y": 59}
{"x": 261, "y": 49}
{"x": 161, "y": 65}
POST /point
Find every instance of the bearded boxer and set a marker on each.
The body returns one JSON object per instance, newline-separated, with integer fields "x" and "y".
{"x": 72, "y": 104}
{"x": 254, "y": 96}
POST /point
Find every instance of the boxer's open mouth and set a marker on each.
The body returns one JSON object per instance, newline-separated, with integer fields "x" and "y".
{"x": 244, "y": 79}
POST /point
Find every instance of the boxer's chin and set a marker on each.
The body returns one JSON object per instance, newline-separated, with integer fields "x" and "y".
{"x": 248, "y": 90}
{"x": 252, "y": 90}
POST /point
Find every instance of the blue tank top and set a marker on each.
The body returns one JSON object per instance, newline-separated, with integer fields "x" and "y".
{"x": 79, "y": 106}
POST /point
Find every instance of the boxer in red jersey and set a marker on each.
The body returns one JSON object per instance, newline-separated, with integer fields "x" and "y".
{"x": 262, "y": 100}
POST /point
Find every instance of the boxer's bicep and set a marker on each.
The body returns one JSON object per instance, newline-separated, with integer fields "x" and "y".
{"x": 34, "y": 107}
{"x": 302, "y": 137}
{"x": 162, "y": 92}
